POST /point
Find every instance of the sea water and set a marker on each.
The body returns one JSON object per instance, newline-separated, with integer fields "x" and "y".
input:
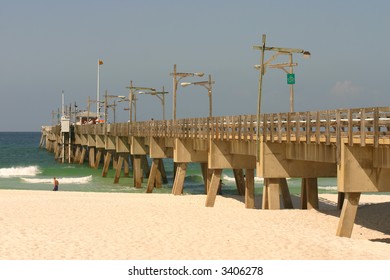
{"x": 23, "y": 165}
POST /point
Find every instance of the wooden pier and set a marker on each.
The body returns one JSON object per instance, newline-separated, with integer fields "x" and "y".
{"x": 350, "y": 144}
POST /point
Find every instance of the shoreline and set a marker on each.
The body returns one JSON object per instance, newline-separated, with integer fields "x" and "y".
{"x": 47, "y": 225}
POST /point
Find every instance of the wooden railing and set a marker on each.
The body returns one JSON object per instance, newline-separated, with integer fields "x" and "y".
{"x": 363, "y": 126}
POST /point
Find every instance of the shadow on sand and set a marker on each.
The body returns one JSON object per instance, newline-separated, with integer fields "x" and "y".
{"x": 374, "y": 216}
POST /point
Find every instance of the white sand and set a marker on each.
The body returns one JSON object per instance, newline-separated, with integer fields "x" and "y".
{"x": 117, "y": 226}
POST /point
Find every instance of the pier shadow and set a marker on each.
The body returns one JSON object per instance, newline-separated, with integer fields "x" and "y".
{"x": 374, "y": 216}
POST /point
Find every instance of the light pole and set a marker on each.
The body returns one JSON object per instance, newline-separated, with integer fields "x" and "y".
{"x": 290, "y": 64}
{"x": 89, "y": 108}
{"x": 176, "y": 80}
{"x": 106, "y": 105}
{"x": 262, "y": 68}
{"x": 162, "y": 98}
{"x": 100, "y": 62}
{"x": 132, "y": 92}
{"x": 207, "y": 85}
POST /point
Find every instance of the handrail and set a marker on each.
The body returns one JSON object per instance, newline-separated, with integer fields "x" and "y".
{"x": 364, "y": 126}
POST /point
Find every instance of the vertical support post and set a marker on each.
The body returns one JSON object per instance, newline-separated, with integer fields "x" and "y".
{"x": 205, "y": 174}
{"x": 98, "y": 157}
{"x": 249, "y": 188}
{"x": 126, "y": 166}
{"x": 92, "y": 156}
{"x": 271, "y": 193}
{"x": 83, "y": 152}
{"x": 309, "y": 193}
{"x": 107, "y": 161}
{"x": 137, "y": 176}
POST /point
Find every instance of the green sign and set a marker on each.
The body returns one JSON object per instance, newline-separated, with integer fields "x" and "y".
{"x": 290, "y": 79}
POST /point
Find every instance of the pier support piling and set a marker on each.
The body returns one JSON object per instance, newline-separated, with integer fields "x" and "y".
{"x": 348, "y": 214}
{"x": 213, "y": 189}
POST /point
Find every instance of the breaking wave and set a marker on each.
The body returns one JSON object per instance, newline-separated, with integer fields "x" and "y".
{"x": 64, "y": 180}
{"x": 29, "y": 171}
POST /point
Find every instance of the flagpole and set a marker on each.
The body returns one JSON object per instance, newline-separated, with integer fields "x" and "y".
{"x": 98, "y": 92}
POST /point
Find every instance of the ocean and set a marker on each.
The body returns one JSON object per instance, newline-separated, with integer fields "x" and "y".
{"x": 25, "y": 166}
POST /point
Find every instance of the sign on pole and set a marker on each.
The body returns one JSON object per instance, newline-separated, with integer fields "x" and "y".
{"x": 290, "y": 79}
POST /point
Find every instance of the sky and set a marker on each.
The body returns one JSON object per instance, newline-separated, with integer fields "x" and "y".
{"x": 50, "y": 46}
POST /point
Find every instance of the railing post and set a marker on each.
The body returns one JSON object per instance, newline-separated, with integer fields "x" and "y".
{"x": 338, "y": 136}
{"x": 376, "y": 127}
{"x": 288, "y": 124}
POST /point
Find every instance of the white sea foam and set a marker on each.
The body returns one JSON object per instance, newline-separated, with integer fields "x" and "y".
{"x": 328, "y": 188}
{"x": 64, "y": 180}
{"x": 29, "y": 171}
{"x": 231, "y": 179}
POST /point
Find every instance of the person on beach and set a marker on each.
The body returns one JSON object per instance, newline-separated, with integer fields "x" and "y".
{"x": 220, "y": 187}
{"x": 55, "y": 184}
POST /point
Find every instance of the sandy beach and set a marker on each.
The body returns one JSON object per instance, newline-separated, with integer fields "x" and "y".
{"x": 46, "y": 225}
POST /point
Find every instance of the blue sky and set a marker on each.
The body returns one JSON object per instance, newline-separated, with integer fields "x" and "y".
{"x": 50, "y": 46}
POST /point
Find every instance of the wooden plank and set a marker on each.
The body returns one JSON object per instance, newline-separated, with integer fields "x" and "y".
{"x": 279, "y": 128}
{"x": 348, "y": 214}
{"x": 297, "y": 128}
{"x": 327, "y": 128}
{"x": 288, "y": 136}
{"x": 308, "y": 127}
{"x": 272, "y": 128}
{"x": 350, "y": 128}
{"x": 318, "y": 128}
{"x": 338, "y": 136}
{"x": 363, "y": 127}
{"x": 376, "y": 127}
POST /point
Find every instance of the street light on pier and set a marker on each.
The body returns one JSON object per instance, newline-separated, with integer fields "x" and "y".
{"x": 290, "y": 73}
{"x": 99, "y": 104}
{"x": 207, "y": 85}
{"x": 290, "y": 76}
{"x": 176, "y": 80}
{"x": 100, "y": 62}
{"x": 162, "y": 98}
{"x": 132, "y": 99}
{"x": 106, "y": 105}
